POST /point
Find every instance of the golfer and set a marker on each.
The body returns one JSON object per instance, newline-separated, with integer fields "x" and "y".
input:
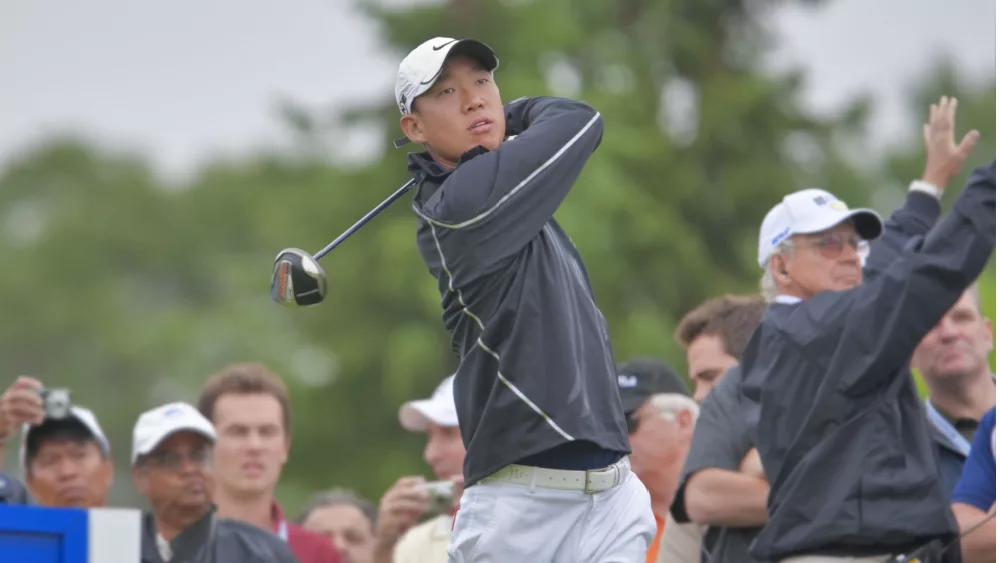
{"x": 547, "y": 476}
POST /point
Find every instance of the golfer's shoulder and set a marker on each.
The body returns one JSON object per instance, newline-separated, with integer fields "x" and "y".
{"x": 465, "y": 193}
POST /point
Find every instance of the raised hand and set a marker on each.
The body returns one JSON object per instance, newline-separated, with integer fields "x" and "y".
{"x": 944, "y": 157}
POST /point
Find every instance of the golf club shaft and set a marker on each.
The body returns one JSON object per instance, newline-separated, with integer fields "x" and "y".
{"x": 368, "y": 216}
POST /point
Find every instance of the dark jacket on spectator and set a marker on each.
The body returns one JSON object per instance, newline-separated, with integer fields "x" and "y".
{"x": 216, "y": 540}
{"x": 13, "y": 491}
{"x": 842, "y": 434}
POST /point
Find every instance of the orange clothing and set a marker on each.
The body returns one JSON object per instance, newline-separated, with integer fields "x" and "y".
{"x": 654, "y": 548}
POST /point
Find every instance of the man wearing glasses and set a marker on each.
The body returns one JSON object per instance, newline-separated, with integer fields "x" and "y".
{"x": 171, "y": 467}
{"x": 833, "y": 408}
{"x": 660, "y": 416}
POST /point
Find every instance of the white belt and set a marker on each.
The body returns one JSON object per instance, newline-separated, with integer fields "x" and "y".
{"x": 589, "y": 481}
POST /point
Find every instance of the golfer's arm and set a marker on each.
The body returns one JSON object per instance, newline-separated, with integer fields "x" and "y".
{"x": 724, "y": 498}
{"x": 500, "y": 200}
{"x": 980, "y": 545}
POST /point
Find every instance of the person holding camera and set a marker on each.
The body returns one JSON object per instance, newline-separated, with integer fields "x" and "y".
{"x": 65, "y": 456}
{"x": 398, "y": 538}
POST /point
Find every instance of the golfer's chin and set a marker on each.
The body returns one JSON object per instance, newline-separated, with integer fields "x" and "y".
{"x": 490, "y": 142}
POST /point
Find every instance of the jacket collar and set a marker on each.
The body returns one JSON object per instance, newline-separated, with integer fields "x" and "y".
{"x": 421, "y": 166}
{"x": 186, "y": 545}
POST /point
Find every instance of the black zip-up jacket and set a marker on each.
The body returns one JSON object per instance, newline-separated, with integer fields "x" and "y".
{"x": 842, "y": 434}
{"x": 536, "y": 368}
{"x": 216, "y": 540}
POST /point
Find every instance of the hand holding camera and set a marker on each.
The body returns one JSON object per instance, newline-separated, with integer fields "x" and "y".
{"x": 27, "y": 401}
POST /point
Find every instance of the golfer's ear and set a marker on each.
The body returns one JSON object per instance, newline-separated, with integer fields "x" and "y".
{"x": 411, "y": 128}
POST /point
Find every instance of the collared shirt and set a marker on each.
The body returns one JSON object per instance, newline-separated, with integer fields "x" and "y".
{"x": 163, "y": 546}
{"x": 426, "y": 543}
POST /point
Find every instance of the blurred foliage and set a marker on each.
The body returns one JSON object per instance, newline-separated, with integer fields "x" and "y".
{"x": 131, "y": 291}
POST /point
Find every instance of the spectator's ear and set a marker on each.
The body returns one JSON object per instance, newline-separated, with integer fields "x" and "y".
{"x": 988, "y": 331}
{"x": 685, "y": 420}
{"x": 141, "y": 481}
{"x": 107, "y": 473}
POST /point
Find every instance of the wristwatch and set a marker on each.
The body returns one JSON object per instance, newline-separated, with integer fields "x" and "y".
{"x": 927, "y": 188}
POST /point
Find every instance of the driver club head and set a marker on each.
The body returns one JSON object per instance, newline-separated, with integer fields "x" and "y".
{"x": 298, "y": 280}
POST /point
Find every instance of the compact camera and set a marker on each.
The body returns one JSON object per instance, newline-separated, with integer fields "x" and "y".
{"x": 442, "y": 496}
{"x": 56, "y": 403}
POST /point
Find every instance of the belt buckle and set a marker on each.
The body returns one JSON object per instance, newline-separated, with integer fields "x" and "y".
{"x": 587, "y": 482}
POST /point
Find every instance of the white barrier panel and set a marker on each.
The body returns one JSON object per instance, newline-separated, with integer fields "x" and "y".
{"x": 115, "y": 535}
{"x": 33, "y": 534}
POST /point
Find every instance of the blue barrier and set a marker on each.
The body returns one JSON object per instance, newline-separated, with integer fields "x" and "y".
{"x": 33, "y": 534}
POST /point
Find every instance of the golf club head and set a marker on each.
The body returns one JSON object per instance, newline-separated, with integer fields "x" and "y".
{"x": 298, "y": 280}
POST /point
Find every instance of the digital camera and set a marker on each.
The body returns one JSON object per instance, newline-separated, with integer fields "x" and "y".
{"x": 442, "y": 496}
{"x": 56, "y": 403}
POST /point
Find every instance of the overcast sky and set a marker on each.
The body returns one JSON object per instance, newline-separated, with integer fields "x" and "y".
{"x": 187, "y": 78}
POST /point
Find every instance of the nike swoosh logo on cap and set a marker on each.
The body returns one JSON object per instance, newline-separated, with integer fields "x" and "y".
{"x": 443, "y": 45}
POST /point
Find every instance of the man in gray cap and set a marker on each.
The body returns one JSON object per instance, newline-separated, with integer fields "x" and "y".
{"x": 661, "y": 416}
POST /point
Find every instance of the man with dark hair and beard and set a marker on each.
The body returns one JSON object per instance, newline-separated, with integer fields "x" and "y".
{"x": 171, "y": 466}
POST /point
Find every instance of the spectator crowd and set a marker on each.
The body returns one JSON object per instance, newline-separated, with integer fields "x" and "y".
{"x": 791, "y": 437}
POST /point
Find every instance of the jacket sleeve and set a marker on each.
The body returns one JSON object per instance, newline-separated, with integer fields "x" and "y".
{"x": 887, "y": 317}
{"x": 497, "y": 201}
{"x": 914, "y": 219}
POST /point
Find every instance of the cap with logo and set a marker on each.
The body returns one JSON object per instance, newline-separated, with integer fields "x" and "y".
{"x": 641, "y": 378}
{"x": 811, "y": 211}
{"x": 421, "y": 68}
{"x": 77, "y": 415}
{"x": 438, "y": 409}
{"x": 156, "y": 425}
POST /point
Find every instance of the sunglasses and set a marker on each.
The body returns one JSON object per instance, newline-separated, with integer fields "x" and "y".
{"x": 173, "y": 460}
{"x": 831, "y": 245}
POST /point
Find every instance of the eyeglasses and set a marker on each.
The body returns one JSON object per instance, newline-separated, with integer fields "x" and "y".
{"x": 174, "y": 460}
{"x": 831, "y": 245}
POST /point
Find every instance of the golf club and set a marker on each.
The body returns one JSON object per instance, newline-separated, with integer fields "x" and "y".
{"x": 298, "y": 280}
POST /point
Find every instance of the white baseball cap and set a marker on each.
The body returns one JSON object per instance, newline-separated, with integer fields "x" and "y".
{"x": 155, "y": 426}
{"x": 811, "y": 211}
{"x": 76, "y": 413}
{"x": 421, "y": 68}
{"x": 439, "y": 409}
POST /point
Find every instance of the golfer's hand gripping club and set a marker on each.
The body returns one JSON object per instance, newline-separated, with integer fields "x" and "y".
{"x": 298, "y": 280}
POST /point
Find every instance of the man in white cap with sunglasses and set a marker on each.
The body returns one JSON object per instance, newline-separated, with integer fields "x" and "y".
{"x": 547, "y": 476}
{"x": 832, "y": 406}
{"x": 172, "y": 468}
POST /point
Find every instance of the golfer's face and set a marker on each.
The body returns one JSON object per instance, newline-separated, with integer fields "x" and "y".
{"x": 461, "y": 111}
